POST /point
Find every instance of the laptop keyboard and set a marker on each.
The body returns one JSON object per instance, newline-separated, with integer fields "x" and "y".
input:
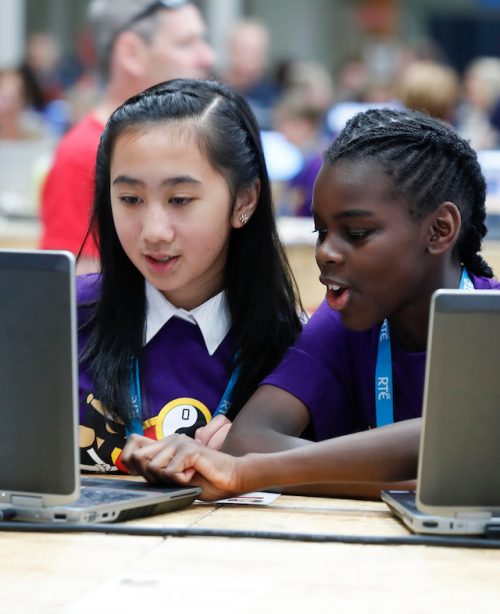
{"x": 94, "y": 496}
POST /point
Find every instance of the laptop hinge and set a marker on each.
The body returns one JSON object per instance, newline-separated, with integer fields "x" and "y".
{"x": 24, "y": 501}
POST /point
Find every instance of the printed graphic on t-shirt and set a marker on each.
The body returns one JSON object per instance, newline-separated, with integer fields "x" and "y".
{"x": 181, "y": 416}
{"x": 102, "y": 439}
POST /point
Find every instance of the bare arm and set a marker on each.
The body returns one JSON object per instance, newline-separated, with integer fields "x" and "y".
{"x": 357, "y": 465}
{"x": 361, "y": 464}
{"x": 271, "y": 421}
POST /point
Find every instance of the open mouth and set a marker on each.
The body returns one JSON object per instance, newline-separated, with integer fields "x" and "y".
{"x": 337, "y": 290}
{"x": 164, "y": 259}
{"x": 159, "y": 258}
{"x": 337, "y": 296}
{"x": 160, "y": 262}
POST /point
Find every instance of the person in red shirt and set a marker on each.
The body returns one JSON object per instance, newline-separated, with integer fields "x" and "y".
{"x": 138, "y": 43}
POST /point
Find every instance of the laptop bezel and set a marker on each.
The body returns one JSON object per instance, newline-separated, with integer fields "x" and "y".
{"x": 66, "y": 507}
{"x": 50, "y": 260}
{"x": 448, "y": 301}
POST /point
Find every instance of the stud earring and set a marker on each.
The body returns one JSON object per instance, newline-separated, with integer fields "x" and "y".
{"x": 243, "y": 218}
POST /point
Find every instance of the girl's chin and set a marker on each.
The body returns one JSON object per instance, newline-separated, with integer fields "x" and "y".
{"x": 356, "y": 321}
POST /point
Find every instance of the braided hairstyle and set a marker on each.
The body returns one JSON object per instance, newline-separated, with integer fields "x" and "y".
{"x": 428, "y": 164}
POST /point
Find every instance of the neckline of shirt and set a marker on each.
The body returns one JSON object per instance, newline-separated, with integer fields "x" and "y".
{"x": 212, "y": 317}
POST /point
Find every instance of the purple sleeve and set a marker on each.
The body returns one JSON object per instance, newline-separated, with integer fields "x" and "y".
{"x": 317, "y": 371}
{"x": 485, "y": 283}
{"x": 87, "y": 290}
{"x": 87, "y": 287}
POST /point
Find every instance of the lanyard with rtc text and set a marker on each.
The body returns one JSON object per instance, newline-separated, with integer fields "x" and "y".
{"x": 135, "y": 423}
{"x": 384, "y": 407}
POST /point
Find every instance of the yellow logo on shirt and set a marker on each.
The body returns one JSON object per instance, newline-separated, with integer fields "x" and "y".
{"x": 183, "y": 415}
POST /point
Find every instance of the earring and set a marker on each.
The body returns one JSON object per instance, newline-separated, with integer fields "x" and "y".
{"x": 243, "y": 218}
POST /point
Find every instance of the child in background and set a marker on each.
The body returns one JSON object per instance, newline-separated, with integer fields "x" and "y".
{"x": 431, "y": 88}
{"x": 301, "y": 124}
{"x": 399, "y": 208}
{"x": 195, "y": 302}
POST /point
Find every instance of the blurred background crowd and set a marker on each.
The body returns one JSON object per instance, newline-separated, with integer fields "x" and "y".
{"x": 305, "y": 68}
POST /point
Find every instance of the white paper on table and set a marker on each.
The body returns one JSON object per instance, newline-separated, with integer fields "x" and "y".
{"x": 252, "y": 498}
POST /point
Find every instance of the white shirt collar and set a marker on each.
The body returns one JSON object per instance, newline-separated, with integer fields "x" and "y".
{"x": 212, "y": 317}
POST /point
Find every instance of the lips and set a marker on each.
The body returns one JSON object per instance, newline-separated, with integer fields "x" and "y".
{"x": 160, "y": 258}
{"x": 337, "y": 295}
{"x": 160, "y": 263}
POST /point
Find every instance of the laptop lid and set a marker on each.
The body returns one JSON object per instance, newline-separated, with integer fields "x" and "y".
{"x": 39, "y": 464}
{"x": 459, "y": 448}
{"x": 38, "y": 391}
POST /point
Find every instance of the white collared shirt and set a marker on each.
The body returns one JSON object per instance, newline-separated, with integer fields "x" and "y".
{"x": 212, "y": 317}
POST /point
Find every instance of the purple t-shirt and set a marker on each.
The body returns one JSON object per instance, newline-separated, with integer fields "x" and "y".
{"x": 332, "y": 371}
{"x": 181, "y": 386}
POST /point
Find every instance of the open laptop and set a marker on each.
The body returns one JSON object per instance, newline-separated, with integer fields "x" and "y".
{"x": 39, "y": 450}
{"x": 458, "y": 480}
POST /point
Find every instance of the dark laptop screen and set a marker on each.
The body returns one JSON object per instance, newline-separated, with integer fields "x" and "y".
{"x": 36, "y": 388}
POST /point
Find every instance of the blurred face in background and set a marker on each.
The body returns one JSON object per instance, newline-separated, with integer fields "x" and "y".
{"x": 178, "y": 47}
{"x": 248, "y": 50}
{"x": 12, "y": 94}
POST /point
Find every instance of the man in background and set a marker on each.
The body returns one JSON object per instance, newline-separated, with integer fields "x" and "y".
{"x": 138, "y": 43}
{"x": 247, "y": 62}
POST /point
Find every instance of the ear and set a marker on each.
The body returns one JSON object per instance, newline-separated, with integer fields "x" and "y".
{"x": 129, "y": 53}
{"x": 246, "y": 202}
{"x": 444, "y": 227}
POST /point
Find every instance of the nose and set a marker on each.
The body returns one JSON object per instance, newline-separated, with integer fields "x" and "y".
{"x": 328, "y": 252}
{"x": 206, "y": 56}
{"x": 157, "y": 225}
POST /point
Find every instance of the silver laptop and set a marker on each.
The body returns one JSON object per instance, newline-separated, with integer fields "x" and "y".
{"x": 39, "y": 456}
{"x": 458, "y": 480}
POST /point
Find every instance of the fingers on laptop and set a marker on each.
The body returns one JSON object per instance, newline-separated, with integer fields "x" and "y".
{"x": 150, "y": 458}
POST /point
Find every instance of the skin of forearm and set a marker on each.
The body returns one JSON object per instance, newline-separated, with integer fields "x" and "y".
{"x": 362, "y": 490}
{"x": 272, "y": 420}
{"x": 360, "y": 464}
{"x": 239, "y": 442}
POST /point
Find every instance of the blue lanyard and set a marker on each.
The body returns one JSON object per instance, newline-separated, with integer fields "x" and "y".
{"x": 384, "y": 406}
{"x": 225, "y": 402}
{"x": 135, "y": 424}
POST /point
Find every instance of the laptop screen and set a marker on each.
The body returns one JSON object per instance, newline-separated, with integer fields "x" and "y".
{"x": 460, "y": 453}
{"x": 37, "y": 345}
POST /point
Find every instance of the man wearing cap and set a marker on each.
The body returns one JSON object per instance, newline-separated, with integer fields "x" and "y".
{"x": 138, "y": 43}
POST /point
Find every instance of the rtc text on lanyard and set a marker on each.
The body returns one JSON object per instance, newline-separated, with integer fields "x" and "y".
{"x": 383, "y": 370}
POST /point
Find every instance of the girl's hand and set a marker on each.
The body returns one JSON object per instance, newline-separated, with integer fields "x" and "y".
{"x": 214, "y": 433}
{"x": 178, "y": 458}
{"x": 137, "y": 454}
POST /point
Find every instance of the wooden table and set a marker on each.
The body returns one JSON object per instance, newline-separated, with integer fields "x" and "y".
{"x": 94, "y": 573}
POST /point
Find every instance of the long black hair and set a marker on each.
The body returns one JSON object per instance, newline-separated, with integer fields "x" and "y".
{"x": 428, "y": 164}
{"x": 262, "y": 296}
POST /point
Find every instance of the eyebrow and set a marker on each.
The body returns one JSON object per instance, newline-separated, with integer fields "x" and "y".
{"x": 171, "y": 181}
{"x": 354, "y": 213}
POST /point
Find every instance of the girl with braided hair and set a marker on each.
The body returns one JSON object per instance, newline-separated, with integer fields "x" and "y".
{"x": 195, "y": 302}
{"x": 399, "y": 209}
